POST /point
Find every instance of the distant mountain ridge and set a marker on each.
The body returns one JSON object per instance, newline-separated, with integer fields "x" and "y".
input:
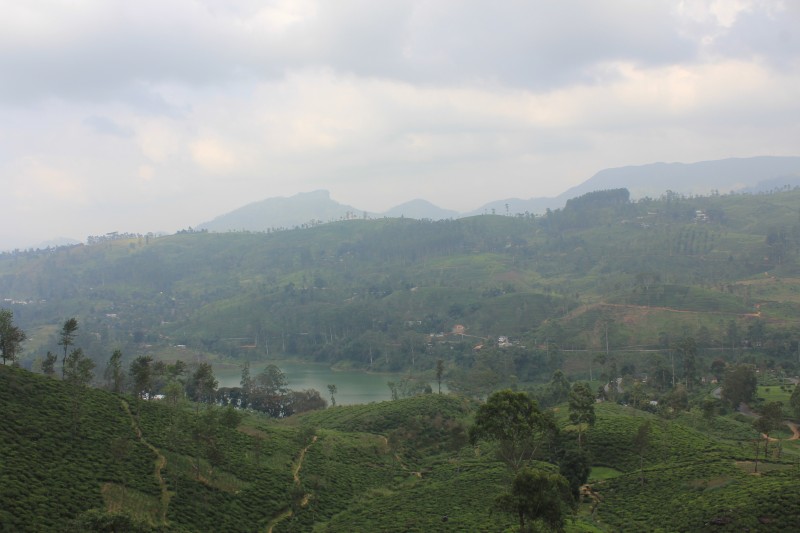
{"x": 749, "y": 175}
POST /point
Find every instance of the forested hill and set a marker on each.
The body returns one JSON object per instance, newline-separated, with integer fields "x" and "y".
{"x": 603, "y": 272}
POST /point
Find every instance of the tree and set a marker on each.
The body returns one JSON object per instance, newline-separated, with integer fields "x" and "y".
{"x": 575, "y": 466}
{"x": 202, "y": 384}
{"x": 537, "y": 495}
{"x": 246, "y": 383}
{"x": 770, "y": 419}
{"x": 581, "y": 408}
{"x": 269, "y": 392}
{"x": 49, "y": 364}
{"x": 142, "y": 379}
{"x": 559, "y": 388}
{"x": 11, "y": 336}
{"x": 739, "y": 384}
{"x": 688, "y": 349}
{"x": 66, "y": 338}
{"x": 114, "y": 374}
{"x": 332, "y": 391}
{"x": 78, "y": 372}
{"x": 641, "y": 443}
{"x": 439, "y": 373}
{"x": 515, "y": 422}
{"x": 794, "y": 401}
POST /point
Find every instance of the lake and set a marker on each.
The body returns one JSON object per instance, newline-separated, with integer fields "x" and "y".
{"x": 353, "y": 386}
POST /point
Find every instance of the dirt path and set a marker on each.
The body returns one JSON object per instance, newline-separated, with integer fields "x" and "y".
{"x": 159, "y": 464}
{"x": 795, "y": 429}
{"x": 296, "y": 475}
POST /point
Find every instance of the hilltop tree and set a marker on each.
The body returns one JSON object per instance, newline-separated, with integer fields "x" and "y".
{"x": 140, "y": 372}
{"x": 537, "y": 495}
{"x": 514, "y": 421}
{"x": 11, "y": 336}
{"x": 202, "y": 384}
{"x": 581, "y": 408}
{"x": 49, "y": 364}
{"x": 332, "y": 391}
{"x": 66, "y": 338}
{"x": 114, "y": 374}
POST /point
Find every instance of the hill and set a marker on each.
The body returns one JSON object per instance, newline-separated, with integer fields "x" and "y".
{"x": 603, "y": 274}
{"x": 402, "y": 465}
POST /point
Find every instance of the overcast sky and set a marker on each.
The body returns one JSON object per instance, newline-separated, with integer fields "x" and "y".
{"x": 156, "y": 116}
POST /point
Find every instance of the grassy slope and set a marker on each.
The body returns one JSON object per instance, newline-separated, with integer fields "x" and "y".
{"x": 390, "y": 466}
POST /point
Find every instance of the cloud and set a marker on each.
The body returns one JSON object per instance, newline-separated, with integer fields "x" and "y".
{"x": 183, "y": 110}
{"x": 107, "y": 126}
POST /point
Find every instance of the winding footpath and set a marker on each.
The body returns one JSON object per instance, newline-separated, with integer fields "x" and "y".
{"x": 296, "y": 475}
{"x": 745, "y": 410}
{"x": 160, "y": 464}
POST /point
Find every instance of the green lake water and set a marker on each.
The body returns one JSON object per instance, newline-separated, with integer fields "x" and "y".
{"x": 353, "y": 386}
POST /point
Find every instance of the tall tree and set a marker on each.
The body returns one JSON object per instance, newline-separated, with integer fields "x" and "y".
{"x": 11, "y": 336}
{"x": 140, "y": 372}
{"x": 687, "y": 347}
{"x": 79, "y": 374}
{"x": 202, "y": 384}
{"x": 332, "y": 390}
{"x": 515, "y": 422}
{"x": 770, "y": 419}
{"x": 581, "y": 408}
{"x": 537, "y": 495}
{"x": 114, "y": 374}
{"x": 439, "y": 373}
{"x": 739, "y": 384}
{"x": 558, "y": 390}
{"x": 66, "y": 338}
{"x": 49, "y": 364}
{"x": 269, "y": 392}
{"x": 641, "y": 443}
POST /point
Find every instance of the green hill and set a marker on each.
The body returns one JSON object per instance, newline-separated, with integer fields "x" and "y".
{"x": 388, "y": 294}
{"x": 402, "y": 465}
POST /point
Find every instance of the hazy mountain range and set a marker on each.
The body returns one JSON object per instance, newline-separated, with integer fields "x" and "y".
{"x": 750, "y": 175}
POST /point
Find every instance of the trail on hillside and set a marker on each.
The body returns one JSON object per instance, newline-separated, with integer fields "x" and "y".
{"x": 747, "y": 411}
{"x": 298, "y": 464}
{"x": 160, "y": 464}
{"x": 583, "y": 309}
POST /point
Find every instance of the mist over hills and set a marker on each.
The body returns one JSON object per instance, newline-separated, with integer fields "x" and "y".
{"x": 747, "y": 175}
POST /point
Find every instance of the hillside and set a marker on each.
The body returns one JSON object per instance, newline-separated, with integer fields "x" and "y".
{"x": 603, "y": 274}
{"x": 402, "y": 465}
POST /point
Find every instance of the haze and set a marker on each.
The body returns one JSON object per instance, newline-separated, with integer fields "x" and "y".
{"x": 154, "y": 116}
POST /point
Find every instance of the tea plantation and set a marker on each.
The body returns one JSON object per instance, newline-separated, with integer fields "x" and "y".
{"x": 76, "y": 459}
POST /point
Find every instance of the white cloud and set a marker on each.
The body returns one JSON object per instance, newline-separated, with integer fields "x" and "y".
{"x": 186, "y": 109}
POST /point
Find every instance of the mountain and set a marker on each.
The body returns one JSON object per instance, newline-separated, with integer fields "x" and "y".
{"x": 420, "y": 209}
{"x": 755, "y": 174}
{"x": 725, "y": 175}
{"x": 309, "y": 208}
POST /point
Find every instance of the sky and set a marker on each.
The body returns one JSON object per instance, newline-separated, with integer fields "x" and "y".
{"x": 153, "y": 116}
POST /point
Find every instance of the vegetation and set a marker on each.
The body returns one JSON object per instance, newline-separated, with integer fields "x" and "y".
{"x": 636, "y": 359}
